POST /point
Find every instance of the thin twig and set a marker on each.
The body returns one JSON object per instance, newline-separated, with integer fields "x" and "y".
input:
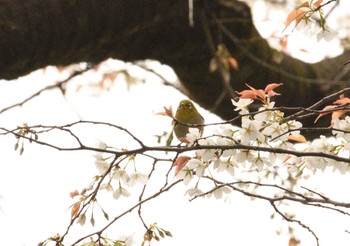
{"x": 50, "y": 87}
{"x": 295, "y": 221}
{"x": 129, "y": 210}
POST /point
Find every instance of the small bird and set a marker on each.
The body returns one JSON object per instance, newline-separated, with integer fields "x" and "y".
{"x": 186, "y": 113}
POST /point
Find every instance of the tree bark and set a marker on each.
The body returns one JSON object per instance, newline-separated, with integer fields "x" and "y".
{"x": 37, "y": 33}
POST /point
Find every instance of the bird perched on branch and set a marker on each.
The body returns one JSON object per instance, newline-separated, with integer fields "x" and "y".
{"x": 186, "y": 113}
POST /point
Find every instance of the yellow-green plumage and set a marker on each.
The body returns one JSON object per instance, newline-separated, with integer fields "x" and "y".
{"x": 188, "y": 114}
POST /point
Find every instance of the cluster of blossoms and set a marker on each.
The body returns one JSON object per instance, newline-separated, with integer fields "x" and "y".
{"x": 119, "y": 175}
{"x": 253, "y": 146}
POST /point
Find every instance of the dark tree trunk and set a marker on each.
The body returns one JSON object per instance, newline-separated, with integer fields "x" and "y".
{"x": 37, "y": 33}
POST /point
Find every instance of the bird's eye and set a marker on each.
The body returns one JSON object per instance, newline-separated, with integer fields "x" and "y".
{"x": 188, "y": 105}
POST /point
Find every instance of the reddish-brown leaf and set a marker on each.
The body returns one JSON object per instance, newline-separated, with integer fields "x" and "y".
{"x": 250, "y": 87}
{"x": 180, "y": 162}
{"x": 248, "y": 94}
{"x": 273, "y": 93}
{"x": 293, "y": 242}
{"x": 318, "y": 3}
{"x": 284, "y": 42}
{"x": 297, "y": 15}
{"x": 72, "y": 194}
{"x": 323, "y": 114}
{"x": 261, "y": 94}
{"x": 342, "y": 100}
{"x": 166, "y": 112}
{"x": 300, "y": 138}
{"x": 272, "y": 86}
{"x": 75, "y": 209}
{"x": 336, "y": 115}
{"x": 233, "y": 62}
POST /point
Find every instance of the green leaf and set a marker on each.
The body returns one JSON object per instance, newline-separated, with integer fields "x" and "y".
{"x": 105, "y": 215}
{"x": 92, "y": 220}
{"x": 16, "y": 146}
{"x": 170, "y": 138}
{"x": 22, "y": 149}
{"x": 168, "y": 233}
{"x": 160, "y": 232}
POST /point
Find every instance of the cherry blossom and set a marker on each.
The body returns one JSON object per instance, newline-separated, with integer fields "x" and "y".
{"x": 250, "y": 131}
{"x": 242, "y": 104}
{"x": 120, "y": 192}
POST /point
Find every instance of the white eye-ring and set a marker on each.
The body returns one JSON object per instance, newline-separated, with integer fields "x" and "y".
{"x": 188, "y": 105}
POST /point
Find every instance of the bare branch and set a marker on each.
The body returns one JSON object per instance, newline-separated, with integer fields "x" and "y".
{"x": 155, "y": 195}
{"x": 50, "y": 87}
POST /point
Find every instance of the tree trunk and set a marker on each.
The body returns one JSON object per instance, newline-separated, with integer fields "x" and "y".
{"x": 37, "y": 33}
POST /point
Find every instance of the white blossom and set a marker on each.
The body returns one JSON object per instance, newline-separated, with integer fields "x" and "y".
{"x": 194, "y": 192}
{"x": 276, "y": 130}
{"x": 121, "y": 175}
{"x": 250, "y": 131}
{"x": 328, "y": 35}
{"x": 228, "y": 142}
{"x": 314, "y": 162}
{"x": 243, "y": 156}
{"x": 138, "y": 178}
{"x": 242, "y": 104}
{"x": 196, "y": 165}
{"x": 120, "y": 192}
{"x": 128, "y": 240}
{"x": 342, "y": 167}
{"x": 206, "y": 154}
{"x": 274, "y": 157}
{"x": 310, "y": 28}
{"x": 293, "y": 125}
{"x": 342, "y": 125}
{"x": 224, "y": 131}
{"x": 101, "y": 145}
{"x": 266, "y": 115}
{"x": 218, "y": 193}
{"x": 186, "y": 175}
{"x": 101, "y": 165}
{"x": 260, "y": 162}
{"x": 192, "y": 135}
{"x": 106, "y": 186}
{"x": 228, "y": 166}
{"x": 321, "y": 145}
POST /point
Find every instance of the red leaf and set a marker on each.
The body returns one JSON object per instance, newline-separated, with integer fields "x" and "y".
{"x": 75, "y": 209}
{"x": 248, "y": 94}
{"x": 261, "y": 94}
{"x": 233, "y": 62}
{"x": 342, "y": 100}
{"x": 323, "y": 114}
{"x": 318, "y": 3}
{"x": 180, "y": 162}
{"x": 166, "y": 112}
{"x": 272, "y": 86}
{"x": 297, "y": 15}
{"x": 336, "y": 115}
{"x": 73, "y": 193}
{"x": 299, "y": 139}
